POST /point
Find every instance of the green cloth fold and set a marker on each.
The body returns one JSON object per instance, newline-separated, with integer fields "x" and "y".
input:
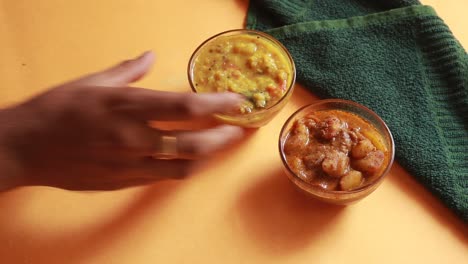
{"x": 399, "y": 59}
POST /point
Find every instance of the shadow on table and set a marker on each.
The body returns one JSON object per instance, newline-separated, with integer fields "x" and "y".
{"x": 244, "y": 4}
{"x": 106, "y": 234}
{"x": 279, "y": 218}
{"x": 82, "y": 244}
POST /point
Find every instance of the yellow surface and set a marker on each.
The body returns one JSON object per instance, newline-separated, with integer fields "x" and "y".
{"x": 241, "y": 209}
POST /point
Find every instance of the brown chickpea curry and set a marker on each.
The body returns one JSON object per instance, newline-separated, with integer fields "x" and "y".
{"x": 335, "y": 150}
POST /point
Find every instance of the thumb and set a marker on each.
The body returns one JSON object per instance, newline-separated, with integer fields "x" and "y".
{"x": 121, "y": 74}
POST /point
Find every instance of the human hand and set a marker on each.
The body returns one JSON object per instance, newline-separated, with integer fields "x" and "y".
{"x": 93, "y": 132}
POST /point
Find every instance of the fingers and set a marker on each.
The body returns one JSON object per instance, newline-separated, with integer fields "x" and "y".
{"x": 204, "y": 142}
{"x": 119, "y": 75}
{"x": 146, "y": 104}
{"x": 191, "y": 146}
{"x": 139, "y": 142}
{"x": 110, "y": 177}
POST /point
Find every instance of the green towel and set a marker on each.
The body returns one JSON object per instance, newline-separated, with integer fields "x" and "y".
{"x": 399, "y": 59}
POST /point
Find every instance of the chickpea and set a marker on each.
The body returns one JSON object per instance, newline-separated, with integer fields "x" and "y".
{"x": 370, "y": 163}
{"x": 362, "y": 148}
{"x": 314, "y": 159}
{"x": 330, "y": 127}
{"x": 351, "y": 180}
{"x": 297, "y": 140}
{"x": 297, "y": 166}
{"x": 343, "y": 142}
{"x": 336, "y": 164}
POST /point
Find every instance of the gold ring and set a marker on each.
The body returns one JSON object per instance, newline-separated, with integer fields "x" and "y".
{"x": 167, "y": 148}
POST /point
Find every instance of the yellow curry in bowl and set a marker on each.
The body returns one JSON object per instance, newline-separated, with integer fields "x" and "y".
{"x": 246, "y": 62}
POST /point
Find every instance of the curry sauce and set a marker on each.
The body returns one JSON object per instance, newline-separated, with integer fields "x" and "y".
{"x": 246, "y": 64}
{"x": 335, "y": 150}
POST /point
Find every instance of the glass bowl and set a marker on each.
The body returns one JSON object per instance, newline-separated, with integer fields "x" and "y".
{"x": 337, "y": 196}
{"x": 248, "y": 62}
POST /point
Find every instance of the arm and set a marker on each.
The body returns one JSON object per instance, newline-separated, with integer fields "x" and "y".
{"x": 93, "y": 133}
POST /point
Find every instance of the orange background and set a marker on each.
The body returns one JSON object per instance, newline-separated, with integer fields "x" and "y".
{"x": 241, "y": 209}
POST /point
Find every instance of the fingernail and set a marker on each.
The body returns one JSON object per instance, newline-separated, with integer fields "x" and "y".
{"x": 238, "y": 101}
{"x": 235, "y": 132}
{"x": 143, "y": 55}
{"x": 236, "y": 96}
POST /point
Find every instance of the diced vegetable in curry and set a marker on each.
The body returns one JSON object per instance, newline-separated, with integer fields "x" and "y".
{"x": 335, "y": 150}
{"x": 246, "y": 64}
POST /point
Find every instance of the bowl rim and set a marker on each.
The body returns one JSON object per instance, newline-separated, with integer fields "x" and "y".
{"x": 319, "y": 190}
{"x": 253, "y": 32}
